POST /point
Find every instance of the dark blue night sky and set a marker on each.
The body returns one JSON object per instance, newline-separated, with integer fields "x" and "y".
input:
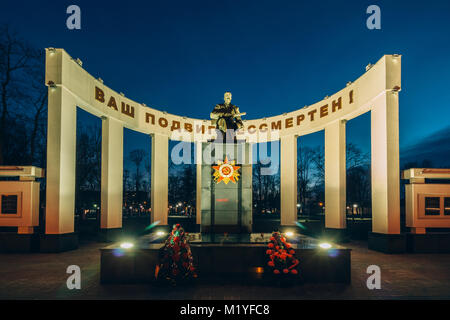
{"x": 274, "y": 56}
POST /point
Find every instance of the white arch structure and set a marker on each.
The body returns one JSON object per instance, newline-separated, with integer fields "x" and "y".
{"x": 71, "y": 86}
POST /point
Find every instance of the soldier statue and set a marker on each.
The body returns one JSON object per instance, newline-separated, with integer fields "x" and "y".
{"x": 227, "y": 118}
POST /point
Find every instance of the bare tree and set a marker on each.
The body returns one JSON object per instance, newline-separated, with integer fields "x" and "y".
{"x": 305, "y": 165}
{"x": 37, "y": 102}
{"x": 18, "y": 61}
{"x": 136, "y": 156}
{"x": 355, "y": 157}
{"x": 88, "y": 173}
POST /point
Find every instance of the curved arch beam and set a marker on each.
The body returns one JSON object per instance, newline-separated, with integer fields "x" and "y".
{"x": 95, "y": 97}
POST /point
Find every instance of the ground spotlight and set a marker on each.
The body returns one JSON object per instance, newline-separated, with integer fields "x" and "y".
{"x": 325, "y": 245}
{"x": 160, "y": 233}
{"x": 289, "y": 234}
{"x": 126, "y": 245}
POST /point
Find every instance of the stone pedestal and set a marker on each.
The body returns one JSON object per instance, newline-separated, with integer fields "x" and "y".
{"x": 226, "y": 207}
{"x": 53, "y": 243}
{"x": 387, "y": 243}
{"x": 12, "y": 242}
{"x": 432, "y": 242}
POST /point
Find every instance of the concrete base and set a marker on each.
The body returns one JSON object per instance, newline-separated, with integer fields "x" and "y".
{"x": 58, "y": 242}
{"x": 387, "y": 243}
{"x": 110, "y": 235}
{"x": 18, "y": 243}
{"x": 432, "y": 242}
{"x": 226, "y": 260}
{"x": 325, "y": 266}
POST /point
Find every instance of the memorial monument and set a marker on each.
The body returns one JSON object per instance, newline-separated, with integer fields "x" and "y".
{"x": 226, "y": 205}
{"x": 71, "y": 87}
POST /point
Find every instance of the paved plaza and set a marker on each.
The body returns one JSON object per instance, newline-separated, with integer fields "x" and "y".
{"x": 43, "y": 276}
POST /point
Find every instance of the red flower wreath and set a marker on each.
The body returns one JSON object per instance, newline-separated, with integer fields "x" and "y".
{"x": 281, "y": 255}
{"x": 175, "y": 258}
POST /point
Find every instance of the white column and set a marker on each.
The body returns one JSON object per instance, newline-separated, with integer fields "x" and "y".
{"x": 61, "y": 158}
{"x": 198, "y": 201}
{"x": 288, "y": 180}
{"x": 112, "y": 174}
{"x": 385, "y": 165}
{"x": 160, "y": 178}
{"x": 335, "y": 175}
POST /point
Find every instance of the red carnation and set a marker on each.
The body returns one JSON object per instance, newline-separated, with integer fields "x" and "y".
{"x": 272, "y": 239}
{"x": 269, "y": 252}
{"x": 270, "y": 245}
{"x": 276, "y": 271}
{"x": 271, "y": 263}
{"x": 286, "y": 270}
{"x": 293, "y": 271}
{"x": 291, "y": 251}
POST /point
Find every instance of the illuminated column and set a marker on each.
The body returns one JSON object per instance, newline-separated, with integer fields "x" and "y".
{"x": 160, "y": 178}
{"x": 335, "y": 175}
{"x": 198, "y": 201}
{"x": 385, "y": 165}
{"x": 112, "y": 174}
{"x": 288, "y": 180}
{"x": 61, "y": 158}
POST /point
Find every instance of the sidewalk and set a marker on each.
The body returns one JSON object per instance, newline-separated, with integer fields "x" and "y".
{"x": 43, "y": 276}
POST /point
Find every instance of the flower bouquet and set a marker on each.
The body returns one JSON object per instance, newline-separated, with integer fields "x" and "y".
{"x": 281, "y": 257}
{"x": 175, "y": 258}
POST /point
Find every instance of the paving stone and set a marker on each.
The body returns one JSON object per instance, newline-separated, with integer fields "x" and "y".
{"x": 403, "y": 276}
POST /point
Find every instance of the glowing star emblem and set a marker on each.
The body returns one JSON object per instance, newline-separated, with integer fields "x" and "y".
{"x": 226, "y": 171}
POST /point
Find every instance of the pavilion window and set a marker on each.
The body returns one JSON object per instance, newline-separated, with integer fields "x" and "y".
{"x": 9, "y": 204}
{"x": 447, "y": 206}
{"x": 432, "y": 207}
